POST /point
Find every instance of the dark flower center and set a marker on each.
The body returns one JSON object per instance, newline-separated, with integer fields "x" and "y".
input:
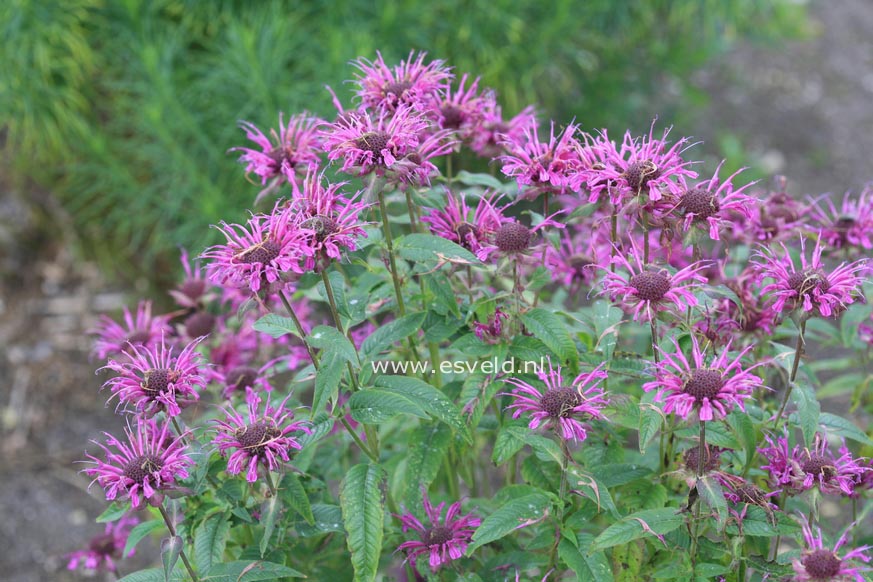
{"x": 704, "y": 384}
{"x": 512, "y": 237}
{"x": 322, "y": 225}
{"x": 699, "y": 202}
{"x": 559, "y": 402}
{"x": 711, "y": 461}
{"x": 843, "y": 224}
{"x": 579, "y": 263}
{"x": 262, "y": 253}
{"x": 103, "y": 545}
{"x": 374, "y": 142}
{"x": 752, "y": 495}
{"x": 639, "y": 174}
{"x": 818, "y": 465}
{"x": 650, "y": 285}
{"x": 242, "y": 377}
{"x": 255, "y": 437}
{"x": 139, "y": 336}
{"x": 157, "y": 380}
{"x": 466, "y": 232}
{"x": 805, "y": 282}
{"x": 453, "y": 116}
{"x": 821, "y": 564}
{"x": 398, "y": 89}
{"x": 143, "y": 466}
{"x": 193, "y": 288}
{"x": 437, "y": 535}
{"x": 200, "y": 324}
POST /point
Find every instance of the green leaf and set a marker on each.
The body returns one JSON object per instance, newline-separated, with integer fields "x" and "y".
{"x": 328, "y": 338}
{"x": 712, "y": 494}
{"x": 651, "y": 420}
{"x": 327, "y": 380}
{"x": 505, "y": 445}
{"x": 606, "y": 318}
{"x": 638, "y": 525}
{"x": 250, "y": 571}
{"x": 546, "y": 449}
{"x": 114, "y": 512}
{"x": 427, "y": 449}
{"x": 429, "y": 399}
{"x": 361, "y": 499}
{"x": 548, "y": 328}
{"x": 593, "y": 567}
{"x": 419, "y": 247}
{"x": 320, "y": 425}
{"x": 589, "y": 486}
{"x": 171, "y": 549}
{"x": 269, "y": 513}
{"x": 516, "y": 514}
{"x": 386, "y": 335}
{"x": 153, "y": 575}
{"x": 139, "y": 532}
{"x": 808, "y": 410}
{"x": 328, "y": 518}
{"x": 294, "y": 495}
{"x": 375, "y": 406}
{"x": 276, "y": 326}
{"x": 615, "y": 474}
{"x": 485, "y": 180}
{"x": 210, "y": 541}
{"x": 843, "y": 427}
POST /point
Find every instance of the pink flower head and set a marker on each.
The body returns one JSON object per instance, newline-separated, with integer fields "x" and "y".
{"x": 141, "y": 329}
{"x": 799, "y": 469}
{"x": 817, "y": 291}
{"x": 849, "y": 226}
{"x": 242, "y": 378}
{"x": 193, "y": 292}
{"x": 332, "y": 218}
{"x": 462, "y": 111}
{"x": 104, "y": 549}
{"x": 776, "y": 217}
{"x": 468, "y": 228}
{"x": 708, "y": 203}
{"x": 444, "y": 540}
{"x": 648, "y": 289}
{"x": 488, "y": 135}
{"x": 542, "y": 166}
{"x": 259, "y": 252}
{"x": 368, "y": 144}
{"x": 560, "y": 407}
{"x": 712, "y": 390}
{"x": 416, "y": 167}
{"x": 818, "y": 563}
{"x": 260, "y": 439}
{"x": 282, "y": 155}
{"x": 493, "y": 329}
{"x": 575, "y": 262}
{"x": 644, "y": 165}
{"x": 410, "y": 83}
{"x": 513, "y": 239}
{"x": 154, "y": 380}
{"x": 149, "y": 462}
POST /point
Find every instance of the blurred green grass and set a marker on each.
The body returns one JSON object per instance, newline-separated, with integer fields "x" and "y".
{"x": 124, "y": 109}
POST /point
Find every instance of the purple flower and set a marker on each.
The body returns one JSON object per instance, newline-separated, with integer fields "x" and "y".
{"x": 461, "y": 226}
{"x": 708, "y": 203}
{"x": 141, "y": 329}
{"x": 818, "y": 563}
{"x": 149, "y": 462}
{"x": 489, "y": 134}
{"x": 799, "y": 469}
{"x": 817, "y": 291}
{"x": 103, "y": 550}
{"x": 712, "y": 390}
{"x": 154, "y": 380}
{"x": 575, "y": 262}
{"x": 259, "y": 252}
{"x": 193, "y": 292}
{"x": 282, "y": 155}
{"x": 410, "y": 83}
{"x": 648, "y": 289}
{"x": 560, "y": 407}
{"x": 416, "y": 167}
{"x": 493, "y": 329}
{"x": 461, "y": 111}
{"x": 513, "y": 239}
{"x": 542, "y": 166}
{"x": 851, "y": 224}
{"x": 445, "y": 540}
{"x": 260, "y": 439}
{"x": 776, "y": 217}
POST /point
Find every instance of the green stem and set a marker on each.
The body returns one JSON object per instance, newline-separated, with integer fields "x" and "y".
{"x": 331, "y": 299}
{"x": 798, "y": 353}
{"x": 562, "y": 494}
{"x": 613, "y": 237}
{"x": 299, "y": 328}
{"x": 435, "y": 364}
{"x": 358, "y": 441}
{"x": 386, "y": 229}
{"x": 182, "y": 555}
{"x": 270, "y": 483}
{"x": 411, "y": 207}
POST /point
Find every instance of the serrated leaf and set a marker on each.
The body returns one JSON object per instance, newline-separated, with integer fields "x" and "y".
{"x": 384, "y": 336}
{"x": 153, "y": 575}
{"x": 548, "y": 328}
{"x": 505, "y": 445}
{"x": 374, "y": 406}
{"x": 651, "y": 420}
{"x": 843, "y": 427}
{"x": 516, "y": 514}
{"x": 420, "y": 247}
{"x": 139, "y": 532}
{"x": 114, "y": 512}
{"x": 171, "y": 549}
{"x": 593, "y": 567}
{"x": 361, "y": 499}
{"x": 429, "y": 399}
{"x": 808, "y": 410}
{"x": 711, "y": 493}
{"x": 294, "y": 495}
{"x": 638, "y": 525}
{"x": 328, "y": 518}
{"x": 327, "y": 380}
{"x": 615, "y": 474}
{"x": 589, "y": 486}
{"x": 546, "y": 449}
{"x": 250, "y": 571}
{"x": 210, "y": 541}
{"x": 328, "y": 338}
{"x": 269, "y": 514}
{"x": 320, "y": 425}
{"x": 427, "y": 448}
{"x": 605, "y": 319}
{"x": 276, "y": 326}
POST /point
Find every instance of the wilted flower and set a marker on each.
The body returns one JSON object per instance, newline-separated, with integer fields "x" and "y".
{"x": 260, "y": 439}
{"x": 560, "y": 407}
{"x": 851, "y": 224}
{"x": 149, "y": 462}
{"x": 542, "y": 166}
{"x": 818, "y": 563}
{"x": 104, "y": 549}
{"x": 141, "y": 329}
{"x": 711, "y": 389}
{"x": 153, "y": 380}
{"x": 410, "y": 83}
{"x": 493, "y": 329}
{"x": 469, "y": 229}
{"x": 708, "y": 203}
{"x": 444, "y": 540}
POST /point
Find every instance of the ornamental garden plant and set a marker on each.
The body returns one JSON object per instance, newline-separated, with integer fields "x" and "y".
{"x": 452, "y": 343}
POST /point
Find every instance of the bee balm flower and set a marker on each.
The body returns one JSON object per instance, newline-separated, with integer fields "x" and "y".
{"x": 445, "y": 540}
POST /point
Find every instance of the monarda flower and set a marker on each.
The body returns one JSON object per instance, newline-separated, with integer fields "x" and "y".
{"x": 259, "y": 439}
{"x": 154, "y": 380}
{"x": 103, "y": 550}
{"x": 416, "y": 168}
{"x": 711, "y": 389}
{"x": 707, "y": 204}
{"x": 149, "y": 462}
{"x": 647, "y": 290}
{"x": 560, "y": 407}
{"x": 574, "y": 263}
{"x": 489, "y": 134}
{"x": 367, "y": 144}
{"x": 800, "y": 469}
{"x": 464, "y": 226}
{"x": 258, "y": 253}
{"x": 444, "y": 540}
{"x": 282, "y": 155}
{"x": 849, "y": 226}
{"x": 460, "y": 111}
{"x": 141, "y": 329}
{"x": 538, "y": 166}
{"x": 816, "y": 290}
{"x": 818, "y": 563}
{"x": 513, "y": 239}
{"x": 410, "y": 83}
{"x": 776, "y": 217}
{"x": 193, "y": 291}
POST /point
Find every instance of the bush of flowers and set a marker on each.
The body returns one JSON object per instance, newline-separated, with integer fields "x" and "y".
{"x": 587, "y": 360}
